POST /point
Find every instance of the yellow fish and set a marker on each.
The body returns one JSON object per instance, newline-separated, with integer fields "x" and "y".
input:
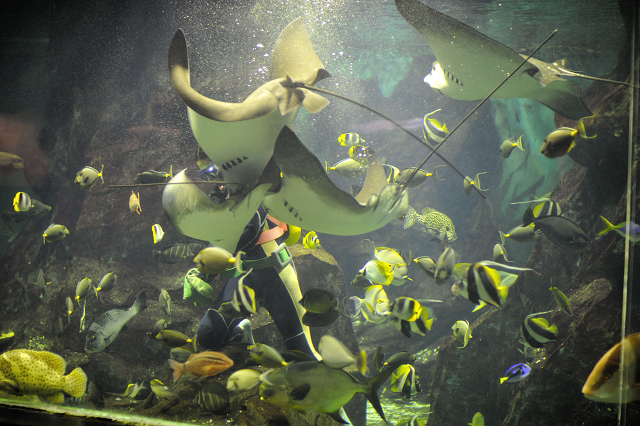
{"x": 134, "y": 203}
{"x": 311, "y": 241}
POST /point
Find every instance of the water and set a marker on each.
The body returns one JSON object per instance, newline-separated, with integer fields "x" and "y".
{"x": 87, "y": 85}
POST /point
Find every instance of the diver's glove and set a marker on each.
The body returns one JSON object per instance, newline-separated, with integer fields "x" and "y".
{"x": 197, "y": 290}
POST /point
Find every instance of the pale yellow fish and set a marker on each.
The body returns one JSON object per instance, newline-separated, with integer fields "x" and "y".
{"x": 134, "y": 203}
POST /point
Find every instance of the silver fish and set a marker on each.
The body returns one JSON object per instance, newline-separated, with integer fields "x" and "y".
{"x": 104, "y": 330}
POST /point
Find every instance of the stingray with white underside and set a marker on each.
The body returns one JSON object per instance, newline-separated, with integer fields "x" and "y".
{"x": 254, "y": 147}
{"x": 470, "y": 65}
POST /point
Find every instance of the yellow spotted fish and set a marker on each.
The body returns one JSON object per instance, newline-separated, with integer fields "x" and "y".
{"x": 436, "y": 223}
{"x": 41, "y": 373}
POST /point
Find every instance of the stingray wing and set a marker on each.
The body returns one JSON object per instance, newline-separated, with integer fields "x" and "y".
{"x": 307, "y": 198}
{"x": 475, "y": 64}
{"x": 193, "y": 213}
{"x": 294, "y": 56}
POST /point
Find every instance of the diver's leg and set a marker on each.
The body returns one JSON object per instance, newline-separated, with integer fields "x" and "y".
{"x": 216, "y": 331}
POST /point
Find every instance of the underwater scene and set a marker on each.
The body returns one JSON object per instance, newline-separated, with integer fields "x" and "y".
{"x": 298, "y": 212}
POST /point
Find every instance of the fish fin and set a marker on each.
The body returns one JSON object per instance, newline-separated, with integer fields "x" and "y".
{"x": 336, "y": 416}
{"x": 75, "y": 383}
{"x": 502, "y": 237}
{"x": 300, "y": 393}
{"x": 503, "y": 292}
{"x": 503, "y": 379}
{"x": 409, "y": 218}
{"x": 371, "y": 393}
{"x": 178, "y": 369}
{"x": 519, "y": 143}
{"x": 480, "y": 305}
{"x": 434, "y": 171}
{"x": 170, "y": 175}
{"x": 553, "y": 329}
{"x": 444, "y": 128}
{"x": 609, "y": 226}
{"x": 56, "y": 398}
{"x": 361, "y": 362}
{"x": 428, "y": 323}
{"x": 581, "y": 130}
{"x": 313, "y": 102}
{"x": 141, "y": 303}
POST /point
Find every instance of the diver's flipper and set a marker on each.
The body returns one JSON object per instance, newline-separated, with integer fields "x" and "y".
{"x": 307, "y": 198}
{"x": 470, "y": 65}
{"x": 195, "y": 215}
{"x": 239, "y": 137}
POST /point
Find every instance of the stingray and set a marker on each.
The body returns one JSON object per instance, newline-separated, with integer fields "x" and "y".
{"x": 469, "y": 65}
{"x": 295, "y": 189}
{"x": 307, "y": 197}
{"x": 195, "y": 215}
{"x": 239, "y": 137}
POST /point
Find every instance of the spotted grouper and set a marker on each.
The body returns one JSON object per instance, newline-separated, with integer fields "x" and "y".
{"x": 40, "y": 373}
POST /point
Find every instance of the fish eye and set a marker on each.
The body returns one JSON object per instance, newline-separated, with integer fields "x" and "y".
{"x": 268, "y": 393}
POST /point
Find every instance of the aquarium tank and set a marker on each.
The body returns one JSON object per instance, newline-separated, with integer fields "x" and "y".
{"x": 265, "y": 212}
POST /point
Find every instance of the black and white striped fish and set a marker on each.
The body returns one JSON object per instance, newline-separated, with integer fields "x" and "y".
{"x": 537, "y": 331}
{"x": 405, "y": 381}
{"x": 483, "y": 283}
{"x": 177, "y": 252}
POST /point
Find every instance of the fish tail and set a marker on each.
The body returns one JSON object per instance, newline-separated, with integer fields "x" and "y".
{"x": 502, "y": 237}
{"x": 503, "y": 292}
{"x": 140, "y": 303}
{"x": 519, "y": 143}
{"x": 171, "y": 171}
{"x": 155, "y": 253}
{"x": 428, "y": 323}
{"x": 371, "y": 392}
{"x": 326, "y": 166}
{"x": 410, "y": 218}
{"x": 609, "y": 226}
{"x": 434, "y": 171}
{"x": 582, "y": 131}
{"x": 75, "y": 383}
{"x": 100, "y": 174}
{"x": 178, "y": 369}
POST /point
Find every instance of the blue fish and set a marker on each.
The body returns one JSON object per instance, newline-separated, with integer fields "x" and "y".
{"x": 621, "y": 228}
{"x": 516, "y": 373}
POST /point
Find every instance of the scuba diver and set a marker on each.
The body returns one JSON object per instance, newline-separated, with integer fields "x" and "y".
{"x": 273, "y": 279}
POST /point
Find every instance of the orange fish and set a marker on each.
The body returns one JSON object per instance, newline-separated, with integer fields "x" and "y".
{"x": 134, "y": 202}
{"x": 207, "y": 363}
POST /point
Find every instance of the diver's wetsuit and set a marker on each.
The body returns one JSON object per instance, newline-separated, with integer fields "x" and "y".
{"x": 215, "y": 331}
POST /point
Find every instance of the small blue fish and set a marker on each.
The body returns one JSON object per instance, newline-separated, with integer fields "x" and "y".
{"x": 621, "y": 228}
{"x": 516, "y": 373}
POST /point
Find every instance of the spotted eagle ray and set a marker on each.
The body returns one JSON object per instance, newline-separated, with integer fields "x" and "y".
{"x": 295, "y": 189}
{"x": 470, "y": 64}
{"x": 240, "y": 137}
